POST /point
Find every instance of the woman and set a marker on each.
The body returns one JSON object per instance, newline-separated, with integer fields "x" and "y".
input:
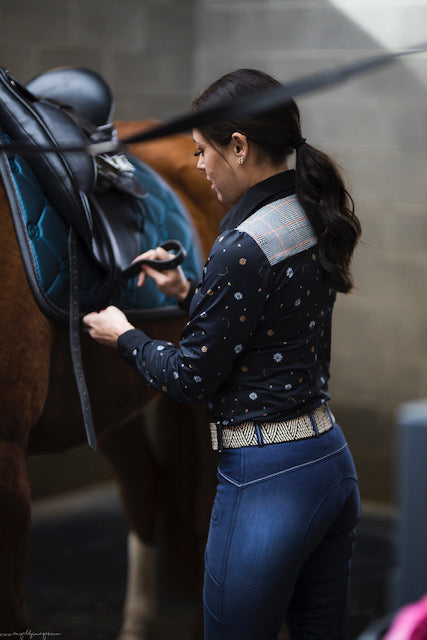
{"x": 257, "y": 349}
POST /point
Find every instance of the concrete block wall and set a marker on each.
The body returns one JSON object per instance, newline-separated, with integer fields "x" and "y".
{"x": 142, "y": 47}
{"x": 157, "y": 53}
{"x": 375, "y": 126}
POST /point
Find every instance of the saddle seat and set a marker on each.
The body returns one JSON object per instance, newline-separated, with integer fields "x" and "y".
{"x": 85, "y": 91}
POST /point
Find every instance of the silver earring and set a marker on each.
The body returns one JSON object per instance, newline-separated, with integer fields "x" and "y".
{"x": 240, "y": 160}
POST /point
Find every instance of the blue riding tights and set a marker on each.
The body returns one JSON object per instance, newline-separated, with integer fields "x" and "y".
{"x": 281, "y": 540}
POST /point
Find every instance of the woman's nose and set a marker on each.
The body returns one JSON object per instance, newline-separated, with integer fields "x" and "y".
{"x": 200, "y": 163}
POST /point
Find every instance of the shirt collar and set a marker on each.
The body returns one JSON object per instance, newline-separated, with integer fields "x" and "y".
{"x": 278, "y": 186}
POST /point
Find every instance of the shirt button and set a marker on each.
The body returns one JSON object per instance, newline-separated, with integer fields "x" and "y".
{"x": 134, "y": 352}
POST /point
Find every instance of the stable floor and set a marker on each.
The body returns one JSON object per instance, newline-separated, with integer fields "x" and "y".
{"x": 77, "y": 570}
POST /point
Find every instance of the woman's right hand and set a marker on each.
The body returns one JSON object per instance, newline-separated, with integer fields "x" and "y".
{"x": 171, "y": 282}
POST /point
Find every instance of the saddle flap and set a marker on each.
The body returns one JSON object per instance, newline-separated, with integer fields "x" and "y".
{"x": 65, "y": 177}
{"x": 65, "y": 132}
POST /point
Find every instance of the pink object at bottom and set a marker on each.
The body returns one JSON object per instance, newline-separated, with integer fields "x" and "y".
{"x": 410, "y": 623}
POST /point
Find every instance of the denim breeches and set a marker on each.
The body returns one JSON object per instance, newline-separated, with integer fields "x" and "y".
{"x": 281, "y": 540}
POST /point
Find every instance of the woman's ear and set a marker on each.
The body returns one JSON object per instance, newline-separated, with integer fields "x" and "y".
{"x": 240, "y": 143}
{"x": 240, "y": 146}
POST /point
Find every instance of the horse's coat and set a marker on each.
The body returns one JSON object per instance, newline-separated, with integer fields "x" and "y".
{"x": 40, "y": 410}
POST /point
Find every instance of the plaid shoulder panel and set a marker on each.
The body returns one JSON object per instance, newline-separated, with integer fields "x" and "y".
{"x": 281, "y": 229}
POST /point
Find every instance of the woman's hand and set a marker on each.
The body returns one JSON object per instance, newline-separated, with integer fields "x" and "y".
{"x": 106, "y": 327}
{"x": 171, "y": 282}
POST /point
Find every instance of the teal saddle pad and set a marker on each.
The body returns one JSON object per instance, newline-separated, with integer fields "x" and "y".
{"x": 159, "y": 215}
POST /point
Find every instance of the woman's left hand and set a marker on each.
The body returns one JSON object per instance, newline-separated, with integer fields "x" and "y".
{"x": 106, "y": 327}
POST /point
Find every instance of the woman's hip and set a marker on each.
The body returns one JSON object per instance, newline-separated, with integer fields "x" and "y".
{"x": 250, "y": 465}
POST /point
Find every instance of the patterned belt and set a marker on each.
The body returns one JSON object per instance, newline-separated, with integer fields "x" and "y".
{"x": 250, "y": 434}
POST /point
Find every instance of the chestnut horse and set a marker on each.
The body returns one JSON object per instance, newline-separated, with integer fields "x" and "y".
{"x": 158, "y": 450}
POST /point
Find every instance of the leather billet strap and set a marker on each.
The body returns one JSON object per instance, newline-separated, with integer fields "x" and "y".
{"x": 74, "y": 318}
{"x": 74, "y": 334}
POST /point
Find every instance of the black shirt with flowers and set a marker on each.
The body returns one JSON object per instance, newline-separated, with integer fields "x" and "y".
{"x": 257, "y": 343}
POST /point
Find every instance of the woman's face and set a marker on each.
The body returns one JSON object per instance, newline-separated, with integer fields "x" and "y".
{"x": 221, "y": 168}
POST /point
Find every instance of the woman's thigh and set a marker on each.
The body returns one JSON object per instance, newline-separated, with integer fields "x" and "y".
{"x": 272, "y": 510}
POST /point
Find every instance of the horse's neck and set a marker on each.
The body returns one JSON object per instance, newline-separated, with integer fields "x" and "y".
{"x": 173, "y": 158}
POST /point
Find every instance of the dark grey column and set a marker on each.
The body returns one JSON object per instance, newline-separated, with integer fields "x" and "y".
{"x": 411, "y": 582}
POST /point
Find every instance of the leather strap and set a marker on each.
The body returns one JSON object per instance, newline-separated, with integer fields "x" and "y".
{"x": 74, "y": 318}
{"x": 252, "y": 104}
{"x": 263, "y": 100}
{"x": 161, "y": 265}
{"x": 74, "y": 332}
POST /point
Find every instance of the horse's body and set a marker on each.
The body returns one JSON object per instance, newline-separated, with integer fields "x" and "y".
{"x": 40, "y": 410}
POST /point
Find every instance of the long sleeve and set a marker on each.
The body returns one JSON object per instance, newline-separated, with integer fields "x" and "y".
{"x": 225, "y": 310}
{"x": 185, "y": 304}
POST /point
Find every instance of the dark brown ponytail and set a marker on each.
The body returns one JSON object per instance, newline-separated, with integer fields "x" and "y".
{"x": 319, "y": 185}
{"x": 330, "y": 209}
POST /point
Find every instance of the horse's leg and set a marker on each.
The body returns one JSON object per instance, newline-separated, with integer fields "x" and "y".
{"x": 166, "y": 475}
{"x": 25, "y": 344}
{"x": 129, "y": 452}
{"x": 14, "y": 536}
{"x": 141, "y": 606}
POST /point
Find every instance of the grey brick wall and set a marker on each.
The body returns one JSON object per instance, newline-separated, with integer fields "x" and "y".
{"x": 376, "y": 128}
{"x": 143, "y": 48}
{"x": 156, "y": 53}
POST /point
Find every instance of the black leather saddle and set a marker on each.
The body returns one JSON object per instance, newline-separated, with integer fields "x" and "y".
{"x": 73, "y": 107}
{"x": 96, "y": 196}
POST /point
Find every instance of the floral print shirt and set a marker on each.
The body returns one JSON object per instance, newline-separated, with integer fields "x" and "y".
{"x": 257, "y": 343}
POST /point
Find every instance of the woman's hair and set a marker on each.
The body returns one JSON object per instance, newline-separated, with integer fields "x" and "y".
{"x": 319, "y": 186}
